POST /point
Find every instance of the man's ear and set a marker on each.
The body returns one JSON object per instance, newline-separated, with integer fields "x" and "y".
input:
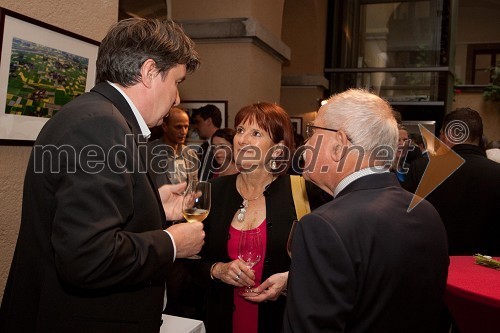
{"x": 148, "y": 71}
{"x": 339, "y": 147}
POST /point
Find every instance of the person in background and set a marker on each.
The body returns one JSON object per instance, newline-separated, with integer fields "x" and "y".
{"x": 398, "y": 116}
{"x": 172, "y": 161}
{"x": 411, "y": 178}
{"x": 259, "y": 197}
{"x": 493, "y": 151}
{"x": 206, "y": 120}
{"x": 415, "y": 148}
{"x": 399, "y": 165}
{"x": 92, "y": 254}
{"x": 468, "y": 198}
{"x": 222, "y": 141}
{"x": 418, "y": 140}
{"x": 362, "y": 262}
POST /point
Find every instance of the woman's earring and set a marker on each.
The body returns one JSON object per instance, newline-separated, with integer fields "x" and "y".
{"x": 273, "y": 165}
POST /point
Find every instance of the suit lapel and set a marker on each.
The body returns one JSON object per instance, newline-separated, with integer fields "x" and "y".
{"x": 124, "y": 108}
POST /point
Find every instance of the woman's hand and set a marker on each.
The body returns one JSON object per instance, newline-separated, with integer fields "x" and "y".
{"x": 270, "y": 289}
{"x": 235, "y": 273}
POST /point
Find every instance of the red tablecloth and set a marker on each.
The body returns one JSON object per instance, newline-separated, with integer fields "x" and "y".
{"x": 473, "y": 295}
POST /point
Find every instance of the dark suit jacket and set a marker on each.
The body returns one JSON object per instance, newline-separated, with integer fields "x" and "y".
{"x": 362, "y": 263}
{"x": 280, "y": 213}
{"x": 415, "y": 172}
{"x": 91, "y": 254}
{"x": 467, "y": 202}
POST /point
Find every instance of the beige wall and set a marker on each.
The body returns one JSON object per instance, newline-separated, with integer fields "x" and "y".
{"x": 268, "y": 13}
{"x": 88, "y": 18}
{"x": 304, "y": 84}
{"x": 246, "y": 76}
{"x": 478, "y": 22}
{"x": 304, "y": 30}
{"x": 235, "y": 68}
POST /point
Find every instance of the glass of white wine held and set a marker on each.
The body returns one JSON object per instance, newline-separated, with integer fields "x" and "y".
{"x": 196, "y": 203}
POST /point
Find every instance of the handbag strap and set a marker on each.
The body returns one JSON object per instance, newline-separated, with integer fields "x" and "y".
{"x": 299, "y": 193}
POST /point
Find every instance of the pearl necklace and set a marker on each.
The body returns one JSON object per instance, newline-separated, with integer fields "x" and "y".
{"x": 244, "y": 205}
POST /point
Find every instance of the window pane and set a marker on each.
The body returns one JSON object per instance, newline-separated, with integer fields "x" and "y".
{"x": 482, "y": 77}
{"x": 395, "y": 87}
{"x": 400, "y": 35}
{"x": 482, "y": 69}
{"x": 483, "y": 61}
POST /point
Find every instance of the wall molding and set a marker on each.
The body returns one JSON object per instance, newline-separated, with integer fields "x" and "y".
{"x": 236, "y": 30}
{"x": 305, "y": 80}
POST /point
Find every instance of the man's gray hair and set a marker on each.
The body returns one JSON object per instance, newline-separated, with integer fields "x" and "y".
{"x": 367, "y": 119}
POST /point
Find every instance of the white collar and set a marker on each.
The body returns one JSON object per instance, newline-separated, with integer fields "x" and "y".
{"x": 146, "y": 132}
{"x": 356, "y": 175}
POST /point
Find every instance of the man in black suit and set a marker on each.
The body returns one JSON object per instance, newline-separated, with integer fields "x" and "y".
{"x": 466, "y": 200}
{"x": 206, "y": 120}
{"x": 92, "y": 255}
{"x": 362, "y": 262}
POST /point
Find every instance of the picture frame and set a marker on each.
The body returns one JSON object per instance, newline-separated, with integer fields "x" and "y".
{"x": 191, "y": 105}
{"x": 42, "y": 67}
{"x": 297, "y": 124}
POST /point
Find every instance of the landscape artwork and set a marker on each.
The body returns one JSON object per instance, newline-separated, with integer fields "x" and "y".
{"x": 42, "y": 79}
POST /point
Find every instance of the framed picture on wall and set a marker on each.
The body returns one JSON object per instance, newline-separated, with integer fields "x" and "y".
{"x": 189, "y": 106}
{"x": 297, "y": 124}
{"x": 42, "y": 67}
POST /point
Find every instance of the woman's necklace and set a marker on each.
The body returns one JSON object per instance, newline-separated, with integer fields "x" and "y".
{"x": 244, "y": 204}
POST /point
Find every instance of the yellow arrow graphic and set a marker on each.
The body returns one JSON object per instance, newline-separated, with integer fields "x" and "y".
{"x": 443, "y": 162}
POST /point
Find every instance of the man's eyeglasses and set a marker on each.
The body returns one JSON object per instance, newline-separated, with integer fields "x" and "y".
{"x": 310, "y": 130}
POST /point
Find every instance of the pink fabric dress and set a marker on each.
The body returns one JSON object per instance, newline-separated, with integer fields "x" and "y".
{"x": 246, "y": 314}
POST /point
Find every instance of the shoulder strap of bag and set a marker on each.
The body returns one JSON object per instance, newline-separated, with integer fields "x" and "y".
{"x": 299, "y": 193}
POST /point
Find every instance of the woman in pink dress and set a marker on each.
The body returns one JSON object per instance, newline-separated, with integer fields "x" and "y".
{"x": 258, "y": 197}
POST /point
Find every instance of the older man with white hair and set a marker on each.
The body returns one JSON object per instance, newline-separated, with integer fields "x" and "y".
{"x": 362, "y": 262}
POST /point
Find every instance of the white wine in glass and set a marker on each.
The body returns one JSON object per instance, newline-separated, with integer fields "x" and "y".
{"x": 196, "y": 203}
{"x": 195, "y": 214}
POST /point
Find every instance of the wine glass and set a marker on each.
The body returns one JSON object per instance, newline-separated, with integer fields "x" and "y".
{"x": 290, "y": 238}
{"x": 196, "y": 203}
{"x": 179, "y": 172}
{"x": 250, "y": 250}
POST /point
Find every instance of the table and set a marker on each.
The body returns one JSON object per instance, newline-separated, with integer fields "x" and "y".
{"x": 473, "y": 295}
{"x": 173, "y": 324}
